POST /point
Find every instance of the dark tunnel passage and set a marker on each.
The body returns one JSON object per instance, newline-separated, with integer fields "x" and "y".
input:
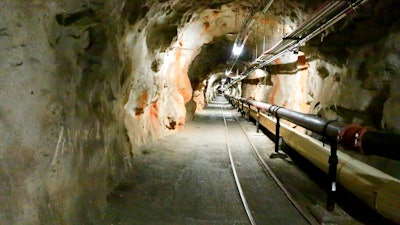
{"x": 85, "y": 86}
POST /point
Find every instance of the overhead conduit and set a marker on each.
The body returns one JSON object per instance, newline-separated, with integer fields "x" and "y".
{"x": 324, "y": 17}
{"x": 245, "y": 31}
{"x": 378, "y": 190}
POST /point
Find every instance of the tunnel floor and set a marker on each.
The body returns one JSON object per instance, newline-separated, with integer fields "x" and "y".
{"x": 186, "y": 178}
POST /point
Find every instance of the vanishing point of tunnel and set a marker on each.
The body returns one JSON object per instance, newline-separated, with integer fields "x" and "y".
{"x": 199, "y": 112}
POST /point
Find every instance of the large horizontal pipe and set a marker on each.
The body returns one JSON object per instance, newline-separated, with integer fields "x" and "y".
{"x": 314, "y": 123}
{"x": 353, "y": 137}
{"x": 376, "y": 189}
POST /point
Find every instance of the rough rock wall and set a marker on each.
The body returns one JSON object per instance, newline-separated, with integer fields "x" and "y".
{"x": 159, "y": 83}
{"x": 62, "y": 140}
{"x": 82, "y": 85}
{"x": 351, "y": 75}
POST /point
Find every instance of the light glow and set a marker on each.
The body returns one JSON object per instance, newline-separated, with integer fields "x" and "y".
{"x": 237, "y": 49}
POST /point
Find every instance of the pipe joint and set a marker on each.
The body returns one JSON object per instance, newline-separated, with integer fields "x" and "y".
{"x": 350, "y": 137}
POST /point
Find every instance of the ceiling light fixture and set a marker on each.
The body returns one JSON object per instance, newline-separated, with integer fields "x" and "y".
{"x": 237, "y": 49}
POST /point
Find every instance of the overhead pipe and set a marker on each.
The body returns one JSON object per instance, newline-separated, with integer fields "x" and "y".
{"x": 244, "y": 33}
{"x": 348, "y": 10}
{"x": 320, "y": 14}
{"x": 295, "y": 39}
{"x": 375, "y": 188}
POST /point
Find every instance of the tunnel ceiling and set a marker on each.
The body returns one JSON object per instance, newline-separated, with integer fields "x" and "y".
{"x": 213, "y": 58}
{"x": 268, "y": 29}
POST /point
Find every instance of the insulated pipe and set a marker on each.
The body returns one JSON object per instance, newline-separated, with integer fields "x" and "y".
{"x": 314, "y": 123}
{"x": 353, "y": 137}
{"x": 376, "y": 189}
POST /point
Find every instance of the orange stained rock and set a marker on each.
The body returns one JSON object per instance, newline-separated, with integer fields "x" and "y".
{"x": 267, "y": 21}
{"x": 206, "y": 26}
{"x": 206, "y": 29}
{"x": 180, "y": 121}
{"x": 301, "y": 60}
{"x": 182, "y": 81}
{"x": 303, "y": 73}
{"x": 154, "y": 117}
{"x": 141, "y": 102}
{"x": 275, "y": 89}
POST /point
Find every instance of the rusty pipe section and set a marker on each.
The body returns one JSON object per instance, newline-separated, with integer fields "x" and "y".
{"x": 352, "y": 137}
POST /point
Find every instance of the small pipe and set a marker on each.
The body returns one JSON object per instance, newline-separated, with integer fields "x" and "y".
{"x": 292, "y": 40}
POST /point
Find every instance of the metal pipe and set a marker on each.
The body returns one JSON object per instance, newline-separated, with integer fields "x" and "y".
{"x": 349, "y": 9}
{"x": 376, "y": 189}
{"x": 245, "y": 31}
{"x": 295, "y": 39}
{"x": 352, "y": 137}
{"x": 324, "y": 11}
{"x": 314, "y": 123}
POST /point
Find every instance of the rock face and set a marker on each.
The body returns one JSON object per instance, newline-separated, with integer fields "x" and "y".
{"x": 351, "y": 75}
{"x": 83, "y": 84}
{"x": 63, "y": 142}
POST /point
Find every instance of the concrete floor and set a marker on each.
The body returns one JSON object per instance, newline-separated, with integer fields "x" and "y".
{"x": 187, "y": 179}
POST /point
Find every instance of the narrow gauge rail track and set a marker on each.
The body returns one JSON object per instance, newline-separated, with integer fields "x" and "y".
{"x": 268, "y": 173}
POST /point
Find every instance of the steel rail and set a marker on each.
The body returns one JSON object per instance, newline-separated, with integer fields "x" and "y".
{"x": 269, "y": 171}
{"x": 373, "y": 187}
{"x": 237, "y": 181}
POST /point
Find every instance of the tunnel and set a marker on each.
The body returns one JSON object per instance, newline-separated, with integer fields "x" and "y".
{"x": 91, "y": 90}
